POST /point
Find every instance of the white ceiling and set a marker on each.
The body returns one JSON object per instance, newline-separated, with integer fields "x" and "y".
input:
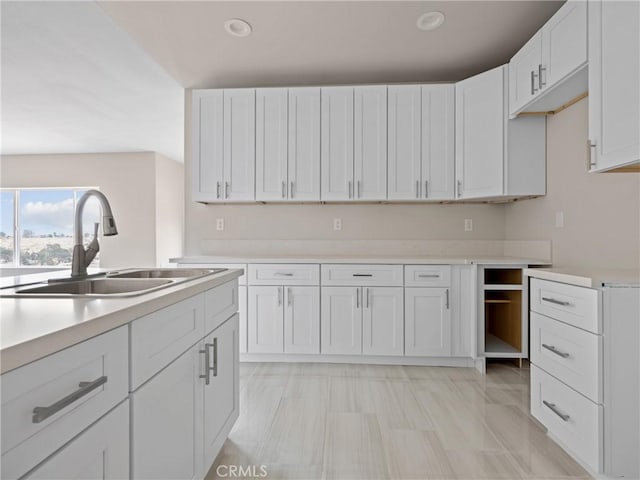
{"x": 73, "y": 81}
{"x": 108, "y": 77}
{"x": 325, "y": 42}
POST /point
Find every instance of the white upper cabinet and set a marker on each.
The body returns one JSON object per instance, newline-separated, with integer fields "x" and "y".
{"x": 550, "y": 70}
{"x": 337, "y": 143}
{"x": 404, "y": 142}
{"x": 304, "y": 144}
{"x": 438, "y": 142}
{"x": 370, "y": 148}
{"x": 614, "y": 79}
{"x": 271, "y": 144}
{"x": 223, "y": 150}
{"x": 496, "y": 157}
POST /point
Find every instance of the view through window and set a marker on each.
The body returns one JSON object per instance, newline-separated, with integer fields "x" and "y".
{"x": 36, "y": 225}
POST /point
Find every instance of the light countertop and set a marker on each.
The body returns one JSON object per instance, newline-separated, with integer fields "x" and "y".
{"x": 32, "y": 328}
{"x": 588, "y": 277}
{"x": 355, "y": 259}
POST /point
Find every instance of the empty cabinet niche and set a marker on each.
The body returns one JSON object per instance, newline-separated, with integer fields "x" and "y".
{"x": 504, "y": 317}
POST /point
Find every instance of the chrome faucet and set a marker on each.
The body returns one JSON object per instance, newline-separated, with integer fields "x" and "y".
{"x": 81, "y": 257}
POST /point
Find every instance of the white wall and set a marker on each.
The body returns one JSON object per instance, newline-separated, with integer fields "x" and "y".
{"x": 130, "y": 182}
{"x": 601, "y": 211}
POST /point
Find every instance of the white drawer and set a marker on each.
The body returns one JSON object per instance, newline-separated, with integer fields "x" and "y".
{"x": 220, "y": 303}
{"x": 102, "y": 361}
{"x": 284, "y": 274}
{"x": 576, "y": 306}
{"x": 427, "y": 275}
{"x": 568, "y": 353}
{"x": 160, "y": 337}
{"x": 580, "y": 429}
{"x": 364, "y": 275}
{"x": 242, "y": 280}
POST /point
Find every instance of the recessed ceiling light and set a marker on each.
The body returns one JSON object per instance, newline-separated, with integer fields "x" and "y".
{"x": 430, "y": 20}
{"x": 237, "y": 27}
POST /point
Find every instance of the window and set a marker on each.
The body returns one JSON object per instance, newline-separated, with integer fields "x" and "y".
{"x": 37, "y": 225}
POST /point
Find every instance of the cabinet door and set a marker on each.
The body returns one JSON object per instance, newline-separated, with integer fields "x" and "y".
{"x": 239, "y": 144}
{"x": 304, "y": 144}
{"x": 382, "y": 321}
{"x": 480, "y": 140}
{"x": 404, "y": 142}
{"x": 337, "y": 143}
{"x": 524, "y": 69}
{"x": 341, "y": 320}
{"x": 564, "y": 42}
{"x": 100, "y": 453}
{"x": 438, "y": 141}
{"x": 221, "y": 394}
{"x": 370, "y": 148}
{"x": 207, "y": 152}
{"x": 265, "y": 321}
{"x": 302, "y": 320}
{"x": 166, "y": 422}
{"x": 271, "y": 144}
{"x": 614, "y": 76}
{"x": 242, "y": 312}
{"x": 427, "y": 322}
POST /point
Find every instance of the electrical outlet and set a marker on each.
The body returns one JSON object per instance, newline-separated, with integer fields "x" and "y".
{"x": 220, "y": 224}
{"x": 337, "y": 224}
{"x": 560, "y": 219}
{"x": 468, "y": 225}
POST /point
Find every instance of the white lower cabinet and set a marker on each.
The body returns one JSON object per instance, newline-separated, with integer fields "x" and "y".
{"x": 166, "y": 421}
{"x": 221, "y": 391}
{"x": 284, "y": 319}
{"x": 341, "y": 320}
{"x": 242, "y": 312}
{"x": 382, "y": 321}
{"x": 101, "y": 452}
{"x": 427, "y": 322}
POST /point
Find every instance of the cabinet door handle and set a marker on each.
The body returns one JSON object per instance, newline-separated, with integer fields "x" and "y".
{"x": 279, "y": 296}
{"x": 284, "y": 189}
{"x": 357, "y": 298}
{"x": 362, "y": 275}
{"x": 533, "y": 82}
{"x": 554, "y": 409}
{"x": 368, "y": 300}
{"x": 541, "y": 70}
{"x": 590, "y": 156}
{"x": 292, "y": 190}
{"x": 417, "y": 188}
{"x": 226, "y": 189}
{"x": 42, "y": 413}
{"x": 425, "y": 275}
{"x": 233, "y": 296}
{"x": 459, "y": 188}
{"x": 214, "y": 368}
{"x": 359, "y": 192}
{"x": 207, "y": 361}
{"x": 349, "y": 188}
{"x": 218, "y": 189}
{"x": 284, "y": 274}
{"x": 289, "y": 297}
{"x": 447, "y": 298}
{"x": 557, "y": 302}
{"x": 553, "y": 349}
{"x": 426, "y": 189}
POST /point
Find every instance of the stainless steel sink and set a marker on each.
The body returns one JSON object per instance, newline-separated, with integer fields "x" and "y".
{"x": 98, "y": 287}
{"x": 166, "y": 273}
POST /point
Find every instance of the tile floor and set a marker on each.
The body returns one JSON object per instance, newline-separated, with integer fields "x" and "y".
{"x": 342, "y": 421}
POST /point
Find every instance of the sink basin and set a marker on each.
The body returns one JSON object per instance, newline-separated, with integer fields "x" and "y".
{"x": 97, "y": 287}
{"x": 166, "y": 273}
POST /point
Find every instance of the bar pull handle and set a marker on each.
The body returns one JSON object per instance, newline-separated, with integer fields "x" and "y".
{"x": 541, "y": 70}
{"x": 349, "y": 188}
{"x": 553, "y": 349}
{"x": 557, "y": 302}
{"x": 289, "y": 297}
{"x": 417, "y": 188}
{"x": 359, "y": 191}
{"x": 279, "y": 296}
{"x": 590, "y": 156}
{"x": 207, "y": 361}
{"x": 459, "y": 188}
{"x": 214, "y": 368}
{"x": 42, "y": 413}
{"x": 226, "y": 189}
{"x": 534, "y": 75}
{"x": 429, "y": 275}
{"x": 554, "y": 409}
{"x": 426, "y": 189}
{"x": 284, "y": 274}
{"x": 357, "y": 298}
{"x": 217, "y": 189}
{"x": 292, "y": 189}
{"x": 447, "y": 298}
{"x": 368, "y": 299}
{"x": 362, "y": 275}
{"x": 284, "y": 189}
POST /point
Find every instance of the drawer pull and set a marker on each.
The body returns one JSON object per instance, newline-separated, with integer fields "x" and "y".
{"x": 429, "y": 276}
{"x": 554, "y": 409}
{"x": 282, "y": 274}
{"x": 553, "y": 349}
{"x": 207, "y": 361}
{"x": 363, "y": 275}
{"x": 557, "y": 302}
{"x": 42, "y": 413}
